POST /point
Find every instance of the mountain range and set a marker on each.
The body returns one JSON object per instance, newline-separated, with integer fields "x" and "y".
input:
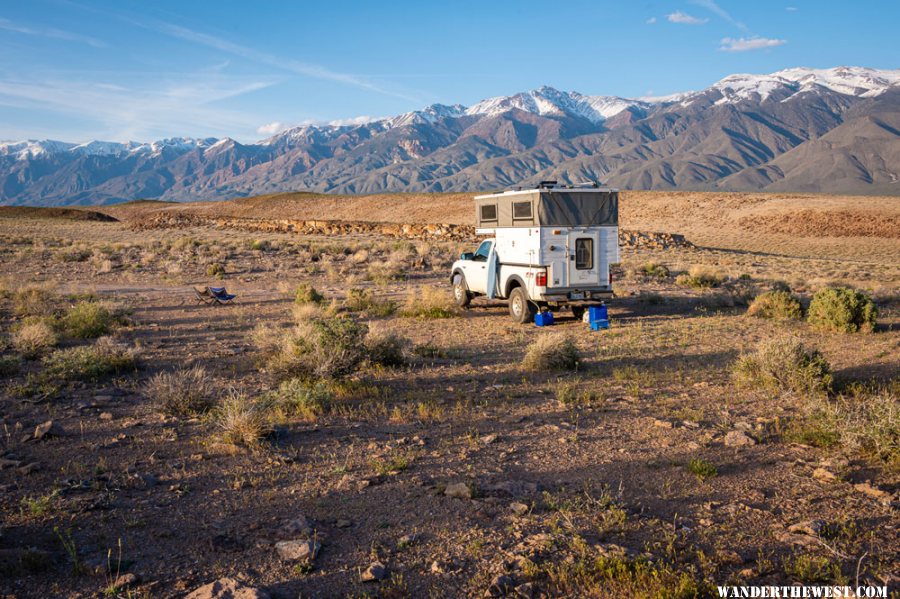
{"x": 805, "y": 130}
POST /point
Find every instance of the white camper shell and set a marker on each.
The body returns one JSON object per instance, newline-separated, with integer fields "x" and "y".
{"x": 548, "y": 247}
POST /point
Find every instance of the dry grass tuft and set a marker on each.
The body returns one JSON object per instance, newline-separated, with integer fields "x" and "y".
{"x": 89, "y": 362}
{"x": 385, "y": 347}
{"x": 700, "y": 277}
{"x": 241, "y": 420}
{"x": 783, "y": 364}
{"x": 185, "y": 392}
{"x": 34, "y": 300}
{"x": 325, "y": 348}
{"x": 555, "y": 351}
{"x": 776, "y": 305}
{"x": 34, "y": 337}
{"x": 430, "y": 302}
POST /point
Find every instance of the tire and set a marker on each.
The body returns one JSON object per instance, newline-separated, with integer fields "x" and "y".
{"x": 578, "y": 312}
{"x": 461, "y": 295}
{"x": 521, "y": 310}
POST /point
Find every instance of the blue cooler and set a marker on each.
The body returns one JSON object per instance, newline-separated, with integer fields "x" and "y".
{"x": 597, "y": 325}
{"x": 543, "y": 319}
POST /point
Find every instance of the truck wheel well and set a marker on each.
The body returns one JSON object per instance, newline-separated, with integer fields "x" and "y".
{"x": 514, "y": 282}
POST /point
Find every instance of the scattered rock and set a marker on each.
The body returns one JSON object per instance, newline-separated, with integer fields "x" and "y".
{"x": 437, "y": 568}
{"x": 871, "y": 491}
{"x": 376, "y": 571}
{"x": 128, "y": 579}
{"x": 738, "y": 439}
{"x": 407, "y": 540}
{"x": 298, "y": 527}
{"x": 823, "y": 475}
{"x": 519, "y": 509}
{"x": 227, "y": 588}
{"x": 491, "y": 438}
{"x": 810, "y": 527}
{"x": 525, "y": 590}
{"x": 500, "y": 586}
{"x": 106, "y": 416}
{"x": 297, "y": 550}
{"x": 662, "y": 423}
{"x": 47, "y": 429}
{"x": 343, "y": 523}
{"x": 458, "y": 490}
{"x": 28, "y": 468}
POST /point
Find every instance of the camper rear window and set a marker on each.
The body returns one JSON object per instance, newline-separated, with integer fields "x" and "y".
{"x": 584, "y": 253}
{"x": 521, "y": 210}
{"x": 489, "y": 212}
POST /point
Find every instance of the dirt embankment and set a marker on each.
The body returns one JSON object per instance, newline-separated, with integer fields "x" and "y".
{"x": 833, "y": 223}
{"x": 445, "y": 231}
{"x": 60, "y": 213}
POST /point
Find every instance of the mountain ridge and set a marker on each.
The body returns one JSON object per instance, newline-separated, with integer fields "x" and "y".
{"x": 794, "y": 130}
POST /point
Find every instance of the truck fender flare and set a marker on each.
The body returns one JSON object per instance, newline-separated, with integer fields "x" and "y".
{"x": 458, "y": 273}
{"x": 511, "y": 282}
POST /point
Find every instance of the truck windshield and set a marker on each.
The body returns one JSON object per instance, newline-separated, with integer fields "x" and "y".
{"x": 481, "y": 254}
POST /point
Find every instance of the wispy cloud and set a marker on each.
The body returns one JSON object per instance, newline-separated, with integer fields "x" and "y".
{"x": 50, "y": 32}
{"x": 271, "y": 128}
{"x": 745, "y": 44}
{"x": 651, "y": 21}
{"x": 286, "y": 64}
{"x": 711, "y": 5}
{"x": 791, "y": 8}
{"x": 178, "y": 102}
{"x": 684, "y": 18}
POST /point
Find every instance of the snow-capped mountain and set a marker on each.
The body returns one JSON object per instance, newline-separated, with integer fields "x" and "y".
{"x": 742, "y": 132}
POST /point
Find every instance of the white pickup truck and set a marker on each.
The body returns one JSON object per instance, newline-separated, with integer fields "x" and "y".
{"x": 550, "y": 247}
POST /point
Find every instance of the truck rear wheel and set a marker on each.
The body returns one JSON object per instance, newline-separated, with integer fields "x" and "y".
{"x": 461, "y": 295}
{"x": 521, "y": 310}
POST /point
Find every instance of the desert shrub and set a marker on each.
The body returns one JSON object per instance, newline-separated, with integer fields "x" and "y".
{"x": 842, "y": 310}
{"x": 9, "y": 365}
{"x": 267, "y": 338}
{"x": 386, "y": 348}
{"x": 430, "y": 302}
{"x": 296, "y": 398}
{"x": 184, "y": 392}
{"x": 87, "y": 320}
{"x": 778, "y": 305}
{"x": 34, "y": 301}
{"x": 325, "y": 348}
{"x": 216, "y": 269}
{"x": 555, "y": 351}
{"x": 702, "y": 469}
{"x": 383, "y": 273}
{"x": 242, "y": 420}
{"x": 362, "y": 300}
{"x": 34, "y": 337}
{"x": 260, "y": 245}
{"x": 700, "y": 277}
{"x": 652, "y": 269}
{"x": 89, "y": 362}
{"x": 307, "y": 294}
{"x": 783, "y": 364}
{"x": 864, "y": 419}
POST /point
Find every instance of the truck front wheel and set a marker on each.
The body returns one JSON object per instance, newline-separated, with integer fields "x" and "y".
{"x": 461, "y": 295}
{"x": 521, "y": 310}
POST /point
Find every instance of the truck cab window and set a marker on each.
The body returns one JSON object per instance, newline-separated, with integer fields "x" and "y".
{"x": 481, "y": 254}
{"x": 584, "y": 253}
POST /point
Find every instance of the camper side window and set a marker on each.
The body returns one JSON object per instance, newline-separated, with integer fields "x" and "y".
{"x": 584, "y": 253}
{"x": 522, "y": 210}
{"x": 489, "y": 212}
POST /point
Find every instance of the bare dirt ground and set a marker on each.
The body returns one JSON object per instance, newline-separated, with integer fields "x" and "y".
{"x": 646, "y": 472}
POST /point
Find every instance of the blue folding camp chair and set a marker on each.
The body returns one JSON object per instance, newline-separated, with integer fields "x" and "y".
{"x": 214, "y": 295}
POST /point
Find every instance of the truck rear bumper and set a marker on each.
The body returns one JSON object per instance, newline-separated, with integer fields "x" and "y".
{"x": 576, "y": 296}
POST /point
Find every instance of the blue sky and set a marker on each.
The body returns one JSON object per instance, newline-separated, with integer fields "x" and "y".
{"x": 129, "y": 70}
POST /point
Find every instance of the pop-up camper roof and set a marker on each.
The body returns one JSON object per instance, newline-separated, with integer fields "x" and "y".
{"x": 554, "y": 206}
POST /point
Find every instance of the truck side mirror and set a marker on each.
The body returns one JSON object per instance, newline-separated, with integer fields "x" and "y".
{"x": 466, "y": 256}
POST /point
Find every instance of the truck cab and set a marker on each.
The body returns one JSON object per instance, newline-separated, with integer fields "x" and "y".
{"x": 550, "y": 247}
